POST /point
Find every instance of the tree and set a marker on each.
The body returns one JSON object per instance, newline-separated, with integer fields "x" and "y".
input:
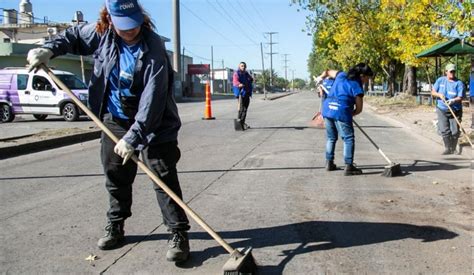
{"x": 298, "y": 83}
{"x": 386, "y": 33}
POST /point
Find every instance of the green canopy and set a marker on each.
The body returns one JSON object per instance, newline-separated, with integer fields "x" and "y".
{"x": 450, "y": 48}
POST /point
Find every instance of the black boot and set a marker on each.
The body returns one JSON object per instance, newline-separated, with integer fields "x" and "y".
{"x": 330, "y": 166}
{"x": 178, "y": 244}
{"x": 454, "y": 146}
{"x": 447, "y": 146}
{"x": 351, "y": 170}
{"x": 245, "y": 126}
{"x": 113, "y": 237}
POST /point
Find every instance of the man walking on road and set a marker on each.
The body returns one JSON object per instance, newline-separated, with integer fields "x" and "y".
{"x": 131, "y": 92}
{"x": 450, "y": 89}
{"x": 242, "y": 86}
{"x": 338, "y": 110}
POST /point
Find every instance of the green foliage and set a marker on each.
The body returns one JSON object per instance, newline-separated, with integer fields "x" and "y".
{"x": 298, "y": 83}
{"x": 387, "y": 34}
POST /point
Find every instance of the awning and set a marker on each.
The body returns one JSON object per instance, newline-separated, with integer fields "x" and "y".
{"x": 449, "y": 48}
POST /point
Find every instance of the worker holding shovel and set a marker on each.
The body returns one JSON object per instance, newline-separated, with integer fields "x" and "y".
{"x": 131, "y": 92}
{"x": 449, "y": 91}
{"x": 242, "y": 83}
{"x": 343, "y": 101}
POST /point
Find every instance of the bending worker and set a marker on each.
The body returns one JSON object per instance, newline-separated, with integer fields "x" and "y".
{"x": 338, "y": 110}
{"x": 131, "y": 91}
{"x": 449, "y": 89}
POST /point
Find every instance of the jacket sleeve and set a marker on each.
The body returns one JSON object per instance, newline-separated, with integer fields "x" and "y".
{"x": 235, "y": 79}
{"x": 78, "y": 40}
{"x": 152, "y": 105}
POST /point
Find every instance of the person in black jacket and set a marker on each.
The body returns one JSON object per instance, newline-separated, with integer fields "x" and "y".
{"x": 131, "y": 91}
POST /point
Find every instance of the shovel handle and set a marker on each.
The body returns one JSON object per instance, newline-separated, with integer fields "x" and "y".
{"x": 139, "y": 163}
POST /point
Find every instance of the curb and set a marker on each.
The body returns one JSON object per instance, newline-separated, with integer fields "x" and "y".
{"x": 278, "y": 96}
{"x": 38, "y": 146}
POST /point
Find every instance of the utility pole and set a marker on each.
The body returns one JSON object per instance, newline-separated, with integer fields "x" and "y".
{"x": 286, "y": 65}
{"x": 271, "y": 55}
{"x": 292, "y": 80}
{"x": 263, "y": 72}
{"x": 182, "y": 67}
{"x": 176, "y": 49}
{"x": 224, "y": 88}
{"x": 212, "y": 70}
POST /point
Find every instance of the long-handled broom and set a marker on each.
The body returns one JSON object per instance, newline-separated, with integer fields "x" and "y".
{"x": 241, "y": 260}
{"x": 458, "y": 122}
{"x": 392, "y": 169}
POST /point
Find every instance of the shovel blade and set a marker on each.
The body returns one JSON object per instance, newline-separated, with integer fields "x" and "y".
{"x": 237, "y": 125}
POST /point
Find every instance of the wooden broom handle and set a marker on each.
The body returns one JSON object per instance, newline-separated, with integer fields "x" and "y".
{"x": 140, "y": 164}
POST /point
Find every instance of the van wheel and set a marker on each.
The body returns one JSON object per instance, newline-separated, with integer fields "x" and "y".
{"x": 6, "y": 113}
{"x": 40, "y": 117}
{"x": 70, "y": 112}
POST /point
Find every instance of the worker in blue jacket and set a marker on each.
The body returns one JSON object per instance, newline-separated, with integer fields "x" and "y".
{"x": 449, "y": 91}
{"x": 131, "y": 91}
{"x": 471, "y": 97}
{"x": 344, "y": 100}
{"x": 242, "y": 86}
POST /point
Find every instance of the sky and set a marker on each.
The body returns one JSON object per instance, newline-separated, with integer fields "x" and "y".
{"x": 233, "y": 28}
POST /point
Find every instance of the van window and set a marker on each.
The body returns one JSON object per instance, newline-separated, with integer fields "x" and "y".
{"x": 72, "y": 82}
{"x": 22, "y": 81}
{"x": 41, "y": 84}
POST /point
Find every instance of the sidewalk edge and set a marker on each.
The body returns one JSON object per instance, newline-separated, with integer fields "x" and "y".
{"x": 38, "y": 146}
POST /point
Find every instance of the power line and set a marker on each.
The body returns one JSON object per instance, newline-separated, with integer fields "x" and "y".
{"x": 236, "y": 24}
{"x": 249, "y": 21}
{"x": 205, "y": 23}
{"x": 259, "y": 15}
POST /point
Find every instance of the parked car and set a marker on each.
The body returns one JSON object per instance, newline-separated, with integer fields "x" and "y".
{"x": 23, "y": 92}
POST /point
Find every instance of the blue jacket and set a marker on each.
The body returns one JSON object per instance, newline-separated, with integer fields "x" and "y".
{"x": 157, "y": 119}
{"x": 340, "y": 101}
{"x": 244, "y": 78}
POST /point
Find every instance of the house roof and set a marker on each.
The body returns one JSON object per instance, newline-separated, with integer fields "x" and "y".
{"x": 452, "y": 47}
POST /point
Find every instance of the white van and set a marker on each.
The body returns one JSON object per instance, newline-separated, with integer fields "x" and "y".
{"x": 36, "y": 93}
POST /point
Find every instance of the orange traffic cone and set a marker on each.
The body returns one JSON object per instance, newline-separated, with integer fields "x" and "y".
{"x": 207, "y": 110}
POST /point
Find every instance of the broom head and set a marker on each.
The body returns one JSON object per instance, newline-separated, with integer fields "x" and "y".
{"x": 241, "y": 262}
{"x": 317, "y": 121}
{"x": 392, "y": 170}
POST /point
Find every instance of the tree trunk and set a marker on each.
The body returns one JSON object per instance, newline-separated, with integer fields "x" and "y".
{"x": 392, "y": 74}
{"x": 409, "y": 80}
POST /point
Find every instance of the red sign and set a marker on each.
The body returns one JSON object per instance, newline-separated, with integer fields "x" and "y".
{"x": 199, "y": 68}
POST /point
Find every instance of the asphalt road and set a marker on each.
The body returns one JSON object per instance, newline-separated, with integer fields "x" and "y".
{"x": 265, "y": 188}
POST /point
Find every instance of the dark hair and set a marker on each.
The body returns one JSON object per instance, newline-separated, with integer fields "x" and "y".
{"x": 245, "y": 64}
{"x": 358, "y": 70}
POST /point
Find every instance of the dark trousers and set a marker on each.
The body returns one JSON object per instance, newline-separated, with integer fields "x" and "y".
{"x": 471, "y": 105}
{"x": 244, "y": 105}
{"x": 447, "y": 124}
{"x": 160, "y": 158}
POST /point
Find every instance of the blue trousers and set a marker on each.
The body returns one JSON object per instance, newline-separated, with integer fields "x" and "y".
{"x": 334, "y": 128}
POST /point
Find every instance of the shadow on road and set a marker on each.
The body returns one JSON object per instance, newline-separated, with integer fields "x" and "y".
{"x": 310, "y": 237}
{"x": 280, "y": 127}
{"x": 426, "y": 165}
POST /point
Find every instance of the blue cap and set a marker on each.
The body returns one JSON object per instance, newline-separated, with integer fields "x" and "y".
{"x": 125, "y": 14}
